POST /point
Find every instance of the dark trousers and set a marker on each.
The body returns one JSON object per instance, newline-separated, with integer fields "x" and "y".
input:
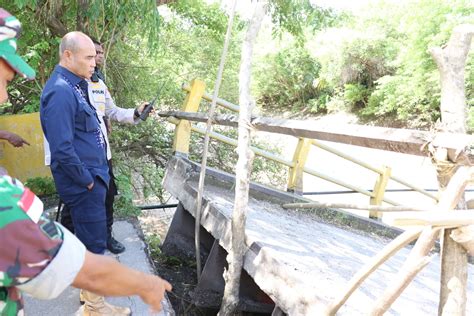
{"x": 87, "y": 216}
{"x": 66, "y": 219}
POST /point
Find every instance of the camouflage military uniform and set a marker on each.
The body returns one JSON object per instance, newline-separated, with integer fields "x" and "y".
{"x": 29, "y": 242}
{"x": 36, "y": 254}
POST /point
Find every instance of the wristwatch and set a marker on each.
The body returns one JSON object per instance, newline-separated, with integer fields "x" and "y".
{"x": 136, "y": 114}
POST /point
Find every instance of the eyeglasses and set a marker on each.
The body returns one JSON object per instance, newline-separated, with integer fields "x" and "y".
{"x": 99, "y": 52}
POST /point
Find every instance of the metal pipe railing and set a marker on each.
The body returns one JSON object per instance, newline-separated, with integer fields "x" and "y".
{"x": 233, "y": 142}
{"x": 372, "y": 168}
{"x": 338, "y": 182}
{"x": 219, "y": 101}
{"x": 291, "y": 164}
{"x": 260, "y": 152}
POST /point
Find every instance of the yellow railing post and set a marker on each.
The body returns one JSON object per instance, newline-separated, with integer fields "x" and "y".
{"x": 379, "y": 191}
{"x": 295, "y": 178}
{"x": 182, "y": 133}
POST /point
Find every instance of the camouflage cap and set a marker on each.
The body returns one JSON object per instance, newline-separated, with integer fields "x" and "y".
{"x": 10, "y": 29}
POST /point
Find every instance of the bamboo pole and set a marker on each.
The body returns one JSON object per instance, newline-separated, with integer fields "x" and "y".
{"x": 202, "y": 175}
{"x": 416, "y": 261}
{"x": 445, "y": 219}
{"x": 417, "y": 258}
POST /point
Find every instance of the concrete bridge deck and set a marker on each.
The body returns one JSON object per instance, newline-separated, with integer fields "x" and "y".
{"x": 301, "y": 260}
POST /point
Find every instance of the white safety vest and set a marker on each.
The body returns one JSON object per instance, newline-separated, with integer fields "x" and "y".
{"x": 100, "y": 98}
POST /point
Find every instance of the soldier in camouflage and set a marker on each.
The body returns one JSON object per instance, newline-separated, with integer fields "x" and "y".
{"x": 39, "y": 256}
{"x": 9, "y": 27}
{"x": 42, "y": 258}
{"x": 20, "y": 220}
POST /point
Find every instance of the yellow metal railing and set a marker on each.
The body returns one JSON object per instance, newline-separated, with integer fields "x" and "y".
{"x": 297, "y": 166}
{"x": 372, "y": 168}
{"x": 221, "y": 102}
{"x": 233, "y": 142}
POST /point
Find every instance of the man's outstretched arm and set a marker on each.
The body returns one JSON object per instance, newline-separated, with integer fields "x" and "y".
{"x": 13, "y": 139}
{"x": 106, "y": 276}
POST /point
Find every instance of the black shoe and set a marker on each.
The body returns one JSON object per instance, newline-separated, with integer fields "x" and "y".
{"x": 115, "y": 246}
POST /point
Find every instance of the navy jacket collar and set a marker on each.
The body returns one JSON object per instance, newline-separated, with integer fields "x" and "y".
{"x": 74, "y": 79}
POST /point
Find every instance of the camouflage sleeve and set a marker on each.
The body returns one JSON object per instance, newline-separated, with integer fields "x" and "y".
{"x": 34, "y": 250}
{"x": 29, "y": 241}
{"x": 61, "y": 271}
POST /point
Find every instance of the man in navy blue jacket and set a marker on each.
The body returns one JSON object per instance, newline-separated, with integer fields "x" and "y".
{"x": 78, "y": 150}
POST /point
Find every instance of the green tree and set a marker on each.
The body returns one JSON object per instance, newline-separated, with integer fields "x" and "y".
{"x": 379, "y": 58}
{"x": 413, "y": 92}
{"x": 45, "y": 22}
{"x": 146, "y": 50}
{"x": 290, "y": 78}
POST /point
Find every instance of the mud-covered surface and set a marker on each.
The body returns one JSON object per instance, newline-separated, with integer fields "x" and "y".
{"x": 182, "y": 276}
{"x": 181, "y": 273}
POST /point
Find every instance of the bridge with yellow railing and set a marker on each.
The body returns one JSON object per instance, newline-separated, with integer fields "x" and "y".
{"x": 28, "y": 161}
{"x": 298, "y": 165}
{"x": 301, "y": 263}
{"x": 297, "y": 262}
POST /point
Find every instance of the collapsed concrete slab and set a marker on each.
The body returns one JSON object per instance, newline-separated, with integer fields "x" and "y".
{"x": 302, "y": 260}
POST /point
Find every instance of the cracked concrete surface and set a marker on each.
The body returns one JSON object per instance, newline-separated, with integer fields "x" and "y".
{"x": 300, "y": 260}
